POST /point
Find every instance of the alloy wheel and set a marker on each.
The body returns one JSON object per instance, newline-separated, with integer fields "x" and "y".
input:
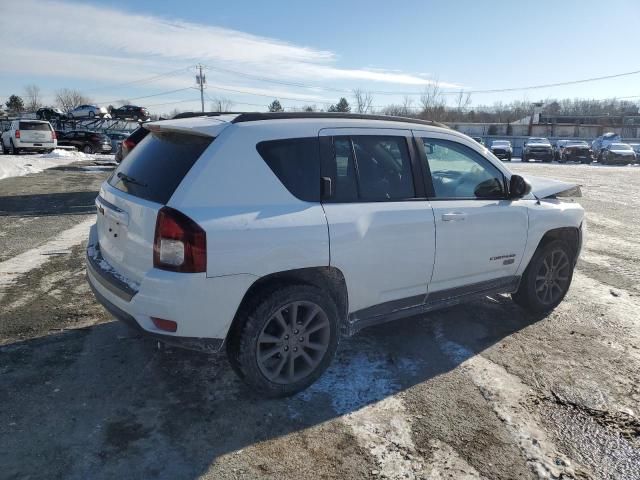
{"x": 552, "y": 279}
{"x": 293, "y": 342}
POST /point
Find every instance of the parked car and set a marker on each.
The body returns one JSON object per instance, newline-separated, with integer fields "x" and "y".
{"x": 50, "y": 113}
{"x": 537, "y": 148}
{"x": 28, "y": 136}
{"x": 573, "y": 151}
{"x": 479, "y": 140}
{"x": 256, "y": 243}
{"x": 502, "y": 149}
{"x": 636, "y": 150}
{"x": 88, "y": 111}
{"x": 130, "y": 142}
{"x": 116, "y": 139}
{"x": 87, "y": 142}
{"x": 617, "y": 153}
{"x": 130, "y": 112}
{"x": 602, "y": 141}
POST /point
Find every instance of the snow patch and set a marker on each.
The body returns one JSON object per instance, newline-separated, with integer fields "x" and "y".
{"x": 19, "y": 165}
{"x": 13, "y": 268}
{"x": 507, "y": 395}
{"x": 363, "y": 388}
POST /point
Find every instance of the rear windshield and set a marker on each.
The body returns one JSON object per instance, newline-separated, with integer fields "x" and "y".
{"x": 35, "y": 126}
{"x": 154, "y": 169}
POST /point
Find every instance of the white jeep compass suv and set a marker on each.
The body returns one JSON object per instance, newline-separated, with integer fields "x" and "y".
{"x": 275, "y": 234}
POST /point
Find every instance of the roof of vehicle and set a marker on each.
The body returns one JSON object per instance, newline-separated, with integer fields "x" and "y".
{"x": 212, "y": 123}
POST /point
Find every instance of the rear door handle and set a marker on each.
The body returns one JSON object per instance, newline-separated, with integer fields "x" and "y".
{"x": 453, "y": 217}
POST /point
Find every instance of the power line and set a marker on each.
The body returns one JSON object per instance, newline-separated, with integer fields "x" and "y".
{"x": 154, "y": 95}
{"x": 142, "y": 80}
{"x": 449, "y": 92}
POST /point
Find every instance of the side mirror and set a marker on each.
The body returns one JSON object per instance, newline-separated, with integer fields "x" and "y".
{"x": 518, "y": 187}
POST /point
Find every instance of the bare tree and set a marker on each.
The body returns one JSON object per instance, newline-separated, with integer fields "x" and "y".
{"x": 68, "y": 99}
{"x": 221, "y": 105}
{"x": 33, "y": 98}
{"x": 363, "y": 101}
{"x": 463, "y": 100}
{"x": 432, "y": 101}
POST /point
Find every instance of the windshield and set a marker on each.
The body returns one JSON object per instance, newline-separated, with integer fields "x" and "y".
{"x": 580, "y": 144}
{"x": 35, "y": 126}
{"x": 620, "y": 146}
{"x": 538, "y": 140}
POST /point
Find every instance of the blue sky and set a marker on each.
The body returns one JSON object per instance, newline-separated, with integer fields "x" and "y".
{"x": 377, "y": 46}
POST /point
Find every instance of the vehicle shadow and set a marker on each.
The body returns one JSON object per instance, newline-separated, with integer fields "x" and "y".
{"x": 45, "y": 204}
{"x": 101, "y": 402}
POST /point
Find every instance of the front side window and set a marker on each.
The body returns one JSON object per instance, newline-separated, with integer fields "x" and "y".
{"x": 457, "y": 171}
{"x": 370, "y": 168}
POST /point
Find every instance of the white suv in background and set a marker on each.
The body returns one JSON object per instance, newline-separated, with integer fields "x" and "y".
{"x": 274, "y": 234}
{"x": 28, "y": 136}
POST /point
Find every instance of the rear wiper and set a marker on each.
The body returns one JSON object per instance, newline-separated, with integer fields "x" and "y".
{"x": 126, "y": 178}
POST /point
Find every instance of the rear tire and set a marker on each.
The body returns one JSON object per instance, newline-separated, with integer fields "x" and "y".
{"x": 547, "y": 278}
{"x": 286, "y": 342}
{"x": 87, "y": 149}
{"x": 12, "y": 149}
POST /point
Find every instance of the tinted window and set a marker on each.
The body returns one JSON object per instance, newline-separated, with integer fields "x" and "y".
{"x": 34, "y": 126}
{"x": 155, "y": 168}
{"x": 384, "y": 168}
{"x": 460, "y": 172}
{"x": 296, "y": 163}
{"x": 369, "y": 168}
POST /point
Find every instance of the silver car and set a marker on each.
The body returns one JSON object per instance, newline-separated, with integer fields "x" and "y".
{"x": 88, "y": 111}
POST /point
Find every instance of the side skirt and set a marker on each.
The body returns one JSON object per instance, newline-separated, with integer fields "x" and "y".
{"x": 389, "y": 311}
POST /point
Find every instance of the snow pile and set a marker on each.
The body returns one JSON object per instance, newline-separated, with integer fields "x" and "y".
{"x": 18, "y": 165}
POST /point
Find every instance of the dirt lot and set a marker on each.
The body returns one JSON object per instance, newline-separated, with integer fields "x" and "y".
{"x": 477, "y": 391}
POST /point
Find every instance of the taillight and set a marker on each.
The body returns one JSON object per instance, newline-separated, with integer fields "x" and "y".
{"x": 53, "y": 135}
{"x": 128, "y": 144}
{"x": 17, "y": 133}
{"x": 179, "y": 244}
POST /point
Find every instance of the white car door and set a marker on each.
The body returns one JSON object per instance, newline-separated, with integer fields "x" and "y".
{"x": 381, "y": 228}
{"x": 480, "y": 233}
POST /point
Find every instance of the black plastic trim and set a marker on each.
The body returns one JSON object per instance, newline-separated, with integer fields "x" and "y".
{"x": 108, "y": 280}
{"x": 433, "y": 301}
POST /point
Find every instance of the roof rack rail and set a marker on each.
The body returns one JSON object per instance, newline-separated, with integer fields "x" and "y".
{"x": 256, "y": 116}
{"x": 202, "y": 114}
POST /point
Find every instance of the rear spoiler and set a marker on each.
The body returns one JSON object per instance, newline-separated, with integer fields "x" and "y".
{"x": 201, "y": 126}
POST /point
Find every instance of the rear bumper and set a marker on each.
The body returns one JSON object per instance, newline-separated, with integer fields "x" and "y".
{"x": 36, "y": 146}
{"x": 202, "y": 307}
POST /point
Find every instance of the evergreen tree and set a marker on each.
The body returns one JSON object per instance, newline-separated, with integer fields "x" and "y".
{"x": 275, "y": 106}
{"x": 15, "y": 104}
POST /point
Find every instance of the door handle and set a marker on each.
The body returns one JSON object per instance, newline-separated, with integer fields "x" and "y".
{"x": 453, "y": 217}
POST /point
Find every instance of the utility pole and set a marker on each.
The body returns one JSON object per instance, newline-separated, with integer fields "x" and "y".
{"x": 201, "y": 80}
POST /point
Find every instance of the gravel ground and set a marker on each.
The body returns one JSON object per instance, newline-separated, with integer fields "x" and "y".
{"x": 482, "y": 390}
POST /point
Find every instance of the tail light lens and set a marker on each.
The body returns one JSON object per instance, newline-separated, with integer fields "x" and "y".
{"x": 180, "y": 244}
{"x": 128, "y": 144}
{"x": 167, "y": 325}
{"x": 17, "y": 133}
{"x": 53, "y": 135}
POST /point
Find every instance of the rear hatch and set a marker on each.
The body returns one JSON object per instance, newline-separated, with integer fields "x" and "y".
{"x": 35, "y": 132}
{"x": 142, "y": 184}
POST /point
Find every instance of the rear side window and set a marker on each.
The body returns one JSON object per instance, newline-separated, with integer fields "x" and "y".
{"x": 154, "y": 169}
{"x": 45, "y": 127}
{"x": 296, "y": 163}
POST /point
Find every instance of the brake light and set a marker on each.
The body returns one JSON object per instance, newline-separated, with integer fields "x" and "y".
{"x": 53, "y": 135}
{"x": 179, "y": 244}
{"x": 17, "y": 133}
{"x": 128, "y": 144}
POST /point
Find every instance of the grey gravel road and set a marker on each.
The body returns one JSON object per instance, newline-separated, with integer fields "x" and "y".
{"x": 477, "y": 391}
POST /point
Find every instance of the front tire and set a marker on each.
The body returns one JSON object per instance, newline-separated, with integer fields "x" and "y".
{"x": 547, "y": 278}
{"x": 286, "y": 342}
{"x": 87, "y": 149}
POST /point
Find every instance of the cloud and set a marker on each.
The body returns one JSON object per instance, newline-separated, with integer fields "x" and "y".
{"x": 93, "y": 42}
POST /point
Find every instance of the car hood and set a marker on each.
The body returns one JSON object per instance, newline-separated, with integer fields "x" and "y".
{"x": 622, "y": 152}
{"x": 546, "y": 145}
{"x": 545, "y": 187}
{"x": 504, "y": 147}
